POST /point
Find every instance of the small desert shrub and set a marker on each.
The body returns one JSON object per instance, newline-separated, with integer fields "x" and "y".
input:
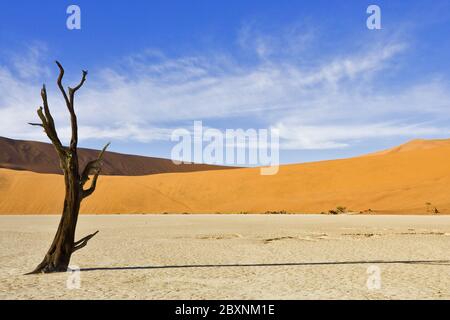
{"x": 276, "y": 212}
{"x": 341, "y": 209}
{"x": 338, "y": 210}
{"x": 430, "y": 208}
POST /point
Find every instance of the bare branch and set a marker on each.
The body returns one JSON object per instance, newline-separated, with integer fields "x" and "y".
{"x": 42, "y": 117}
{"x": 100, "y": 156}
{"x": 60, "y": 85}
{"x": 49, "y": 125}
{"x": 36, "y": 124}
{"x": 96, "y": 167}
{"x": 93, "y": 166}
{"x": 83, "y": 242}
{"x": 73, "y": 117}
{"x": 86, "y": 193}
{"x": 87, "y": 238}
{"x": 69, "y": 104}
{"x": 48, "y": 115}
{"x": 83, "y": 79}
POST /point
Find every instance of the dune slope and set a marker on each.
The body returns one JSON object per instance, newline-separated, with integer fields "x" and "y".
{"x": 41, "y": 157}
{"x": 398, "y": 182}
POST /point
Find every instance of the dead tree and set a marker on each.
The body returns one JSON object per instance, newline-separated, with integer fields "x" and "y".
{"x": 64, "y": 245}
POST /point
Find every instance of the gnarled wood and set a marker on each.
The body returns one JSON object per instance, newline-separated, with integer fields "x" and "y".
{"x": 63, "y": 246}
{"x": 83, "y": 242}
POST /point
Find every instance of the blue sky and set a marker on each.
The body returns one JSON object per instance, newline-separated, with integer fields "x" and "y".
{"x": 311, "y": 69}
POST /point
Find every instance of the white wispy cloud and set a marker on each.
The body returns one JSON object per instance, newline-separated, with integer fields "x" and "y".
{"x": 289, "y": 41}
{"x": 339, "y": 136}
{"x": 326, "y": 104}
{"x": 28, "y": 65}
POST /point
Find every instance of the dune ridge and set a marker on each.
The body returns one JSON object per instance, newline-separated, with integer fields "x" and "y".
{"x": 416, "y": 144}
{"x": 411, "y": 181}
{"x": 41, "y": 158}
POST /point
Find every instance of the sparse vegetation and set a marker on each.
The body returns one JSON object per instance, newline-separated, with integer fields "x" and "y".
{"x": 338, "y": 210}
{"x": 276, "y": 212}
{"x": 341, "y": 209}
{"x": 431, "y": 208}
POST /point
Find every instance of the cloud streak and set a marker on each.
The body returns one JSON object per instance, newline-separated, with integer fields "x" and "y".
{"x": 323, "y": 105}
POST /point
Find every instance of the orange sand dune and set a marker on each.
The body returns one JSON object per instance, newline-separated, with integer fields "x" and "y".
{"x": 416, "y": 144}
{"x": 390, "y": 182}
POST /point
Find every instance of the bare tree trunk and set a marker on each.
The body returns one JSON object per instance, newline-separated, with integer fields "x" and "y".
{"x": 64, "y": 245}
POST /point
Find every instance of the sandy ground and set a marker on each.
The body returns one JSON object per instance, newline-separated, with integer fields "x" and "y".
{"x": 234, "y": 256}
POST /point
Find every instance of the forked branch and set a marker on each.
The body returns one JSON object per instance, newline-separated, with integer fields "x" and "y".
{"x": 83, "y": 242}
{"x": 73, "y": 90}
{"x": 48, "y": 124}
{"x": 70, "y": 104}
{"x": 60, "y": 85}
{"x": 94, "y": 167}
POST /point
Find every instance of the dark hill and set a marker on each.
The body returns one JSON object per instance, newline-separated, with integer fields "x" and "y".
{"x": 41, "y": 157}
